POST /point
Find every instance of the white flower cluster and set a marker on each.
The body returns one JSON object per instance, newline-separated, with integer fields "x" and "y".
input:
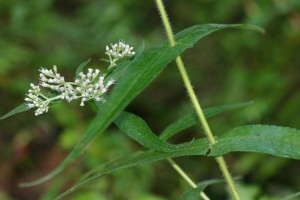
{"x": 118, "y": 51}
{"x": 91, "y": 85}
{"x": 36, "y": 99}
{"x": 88, "y": 86}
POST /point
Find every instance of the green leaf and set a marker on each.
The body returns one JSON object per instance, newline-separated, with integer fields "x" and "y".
{"x": 196, "y": 147}
{"x": 139, "y": 74}
{"x": 19, "y": 109}
{"x": 137, "y": 129}
{"x": 23, "y": 107}
{"x": 275, "y": 140}
{"x": 191, "y": 119}
{"x": 81, "y": 67}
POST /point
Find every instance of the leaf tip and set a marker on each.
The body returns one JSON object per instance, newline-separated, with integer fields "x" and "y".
{"x": 255, "y": 28}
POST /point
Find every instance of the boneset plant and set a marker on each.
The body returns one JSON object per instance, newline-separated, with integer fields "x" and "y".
{"x": 130, "y": 77}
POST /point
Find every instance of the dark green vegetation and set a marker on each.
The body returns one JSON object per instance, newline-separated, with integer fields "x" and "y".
{"x": 228, "y": 67}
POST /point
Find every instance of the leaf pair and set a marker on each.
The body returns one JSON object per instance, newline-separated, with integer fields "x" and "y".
{"x": 274, "y": 140}
{"x": 279, "y": 141}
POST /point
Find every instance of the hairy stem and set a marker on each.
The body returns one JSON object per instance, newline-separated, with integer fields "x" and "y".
{"x": 194, "y": 100}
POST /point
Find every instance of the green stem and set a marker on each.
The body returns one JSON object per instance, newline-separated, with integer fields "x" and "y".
{"x": 195, "y": 102}
{"x": 186, "y": 177}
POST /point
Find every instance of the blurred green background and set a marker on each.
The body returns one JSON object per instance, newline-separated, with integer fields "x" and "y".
{"x": 227, "y": 67}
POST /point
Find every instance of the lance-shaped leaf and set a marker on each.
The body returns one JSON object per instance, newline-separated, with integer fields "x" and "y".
{"x": 191, "y": 119}
{"x": 19, "y": 109}
{"x": 275, "y": 140}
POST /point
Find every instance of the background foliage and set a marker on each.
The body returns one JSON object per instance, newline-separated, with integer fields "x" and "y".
{"x": 228, "y": 67}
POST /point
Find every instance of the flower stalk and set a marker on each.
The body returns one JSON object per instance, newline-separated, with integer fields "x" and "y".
{"x": 220, "y": 160}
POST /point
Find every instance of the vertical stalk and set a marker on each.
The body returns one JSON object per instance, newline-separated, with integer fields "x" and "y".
{"x": 220, "y": 160}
